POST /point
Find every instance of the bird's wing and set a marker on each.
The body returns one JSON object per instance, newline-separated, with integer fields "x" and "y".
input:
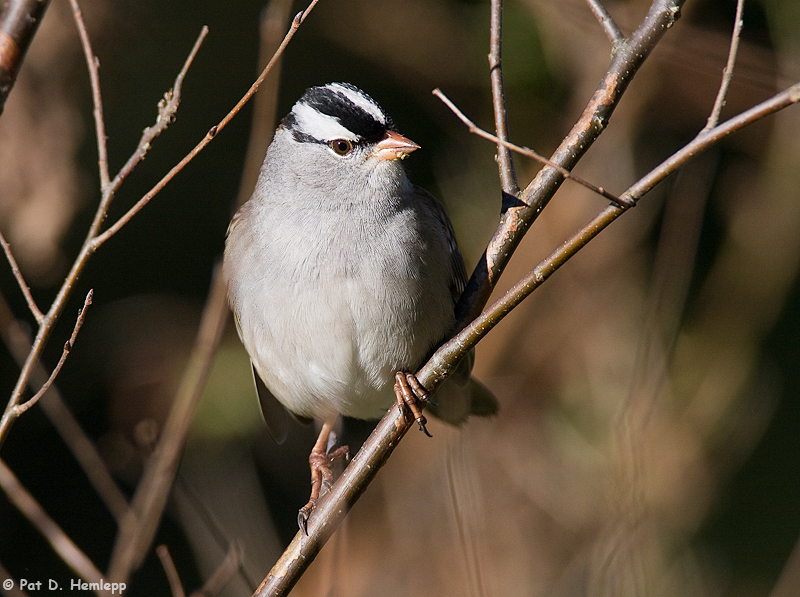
{"x": 274, "y": 414}
{"x": 458, "y": 279}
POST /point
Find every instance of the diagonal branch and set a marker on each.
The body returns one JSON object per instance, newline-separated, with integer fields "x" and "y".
{"x": 70, "y": 553}
{"x": 606, "y": 21}
{"x": 443, "y": 362}
{"x": 26, "y": 291}
{"x": 100, "y": 239}
{"x": 49, "y": 320}
{"x": 515, "y": 221}
{"x": 21, "y": 408}
{"x": 19, "y": 21}
{"x": 527, "y": 151}
{"x": 138, "y": 528}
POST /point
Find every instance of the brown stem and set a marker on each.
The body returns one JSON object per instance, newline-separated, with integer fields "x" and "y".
{"x": 18, "y": 24}
{"x": 606, "y": 21}
{"x": 508, "y": 179}
{"x": 516, "y": 220}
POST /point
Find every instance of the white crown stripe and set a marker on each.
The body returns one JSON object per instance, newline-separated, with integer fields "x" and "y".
{"x": 318, "y": 125}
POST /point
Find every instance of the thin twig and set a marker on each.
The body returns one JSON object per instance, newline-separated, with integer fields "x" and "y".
{"x": 167, "y": 110}
{"x": 443, "y": 361}
{"x": 21, "y": 408}
{"x": 606, "y": 21}
{"x": 100, "y": 239}
{"x": 97, "y": 100}
{"x": 516, "y": 220}
{"x": 505, "y": 163}
{"x": 727, "y": 72}
{"x": 526, "y": 151}
{"x": 18, "y": 341}
{"x": 66, "y": 549}
{"x": 56, "y": 308}
{"x": 168, "y": 565}
{"x": 26, "y": 291}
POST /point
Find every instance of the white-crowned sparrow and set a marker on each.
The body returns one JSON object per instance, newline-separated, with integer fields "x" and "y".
{"x": 342, "y": 273}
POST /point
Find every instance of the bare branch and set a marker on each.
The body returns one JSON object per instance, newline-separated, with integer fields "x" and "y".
{"x": 167, "y": 109}
{"x": 727, "y": 72}
{"x": 19, "y": 344}
{"x": 26, "y": 291}
{"x": 606, "y": 21}
{"x": 58, "y": 539}
{"x": 299, "y": 18}
{"x": 169, "y": 569}
{"x": 508, "y": 179}
{"x": 516, "y": 220}
{"x": 18, "y": 410}
{"x": 526, "y": 151}
{"x": 19, "y": 21}
{"x": 95, "y": 240}
{"x": 443, "y": 361}
{"x": 56, "y": 308}
{"x": 137, "y": 529}
{"x": 93, "y": 65}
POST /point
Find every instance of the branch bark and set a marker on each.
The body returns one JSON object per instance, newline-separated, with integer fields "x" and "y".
{"x": 628, "y": 56}
{"x": 18, "y": 24}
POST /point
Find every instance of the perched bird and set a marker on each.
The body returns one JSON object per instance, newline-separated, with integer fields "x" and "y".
{"x": 343, "y": 275}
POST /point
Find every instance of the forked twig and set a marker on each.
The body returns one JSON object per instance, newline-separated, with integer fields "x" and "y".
{"x": 515, "y": 220}
{"x": 526, "y": 151}
{"x": 167, "y": 109}
{"x": 727, "y": 72}
{"x": 18, "y": 341}
{"x": 88, "y": 248}
{"x": 606, "y": 21}
{"x": 101, "y": 238}
{"x": 444, "y": 360}
{"x": 21, "y": 408}
{"x": 391, "y": 429}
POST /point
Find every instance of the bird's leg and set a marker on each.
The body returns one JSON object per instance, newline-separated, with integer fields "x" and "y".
{"x": 410, "y": 393}
{"x": 321, "y": 459}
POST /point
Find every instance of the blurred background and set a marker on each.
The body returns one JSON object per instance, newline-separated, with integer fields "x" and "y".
{"x": 648, "y": 441}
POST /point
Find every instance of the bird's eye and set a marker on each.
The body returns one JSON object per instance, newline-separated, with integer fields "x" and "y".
{"x": 341, "y": 146}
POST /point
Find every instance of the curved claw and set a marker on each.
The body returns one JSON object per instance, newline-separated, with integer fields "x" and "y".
{"x": 411, "y": 394}
{"x": 320, "y": 461}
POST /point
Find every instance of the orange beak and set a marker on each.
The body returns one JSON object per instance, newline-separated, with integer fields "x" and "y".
{"x": 394, "y": 146}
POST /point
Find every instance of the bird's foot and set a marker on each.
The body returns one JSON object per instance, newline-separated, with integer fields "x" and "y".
{"x": 321, "y": 461}
{"x": 410, "y": 393}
